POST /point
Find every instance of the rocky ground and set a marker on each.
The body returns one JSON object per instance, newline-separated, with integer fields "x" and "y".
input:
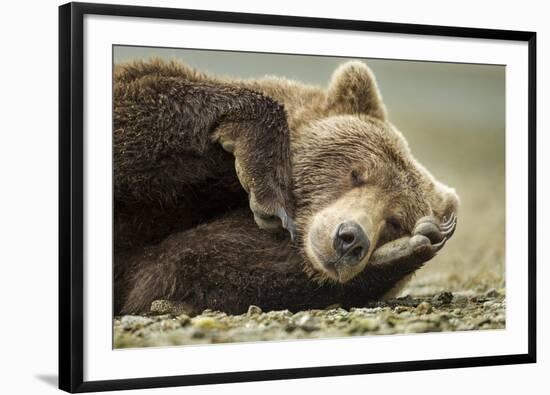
{"x": 444, "y": 311}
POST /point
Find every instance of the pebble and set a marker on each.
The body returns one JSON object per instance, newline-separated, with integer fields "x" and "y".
{"x": 482, "y": 320}
{"x": 197, "y": 333}
{"x": 168, "y": 307}
{"x": 424, "y": 308}
{"x": 307, "y": 323}
{"x": 460, "y": 300}
{"x": 418, "y": 327}
{"x": 445, "y": 297}
{"x": 254, "y": 310}
{"x": 207, "y": 323}
{"x": 183, "y": 319}
{"x": 365, "y": 325}
{"x": 169, "y": 324}
{"x": 134, "y": 322}
{"x": 492, "y": 293}
{"x": 162, "y": 317}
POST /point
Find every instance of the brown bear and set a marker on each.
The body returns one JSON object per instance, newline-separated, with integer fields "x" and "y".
{"x": 208, "y": 170}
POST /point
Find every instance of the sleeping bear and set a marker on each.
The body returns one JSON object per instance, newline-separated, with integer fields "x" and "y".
{"x": 264, "y": 191}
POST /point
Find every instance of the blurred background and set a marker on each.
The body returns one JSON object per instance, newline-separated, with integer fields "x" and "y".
{"x": 453, "y": 116}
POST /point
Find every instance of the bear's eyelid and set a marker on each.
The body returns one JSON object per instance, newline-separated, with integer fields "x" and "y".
{"x": 395, "y": 222}
{"x": 357, "y": 177}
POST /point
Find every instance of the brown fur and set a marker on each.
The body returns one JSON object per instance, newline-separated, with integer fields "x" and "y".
{"x": 316, "y": 152}
{"x": 229, "y": 264}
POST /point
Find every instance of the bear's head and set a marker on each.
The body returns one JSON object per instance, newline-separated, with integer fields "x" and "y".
{"x": 356, "y": 184}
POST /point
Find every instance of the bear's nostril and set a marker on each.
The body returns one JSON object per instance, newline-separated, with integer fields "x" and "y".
{"x": 350, "y": 242}
{"x": 356, "y": 252}
{"x": 347, "y": 237}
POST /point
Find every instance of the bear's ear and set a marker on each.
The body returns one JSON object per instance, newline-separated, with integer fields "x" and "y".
{"x": 353, "y": 90}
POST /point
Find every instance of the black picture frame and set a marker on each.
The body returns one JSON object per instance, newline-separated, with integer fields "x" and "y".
{"x": 71, "y": 224}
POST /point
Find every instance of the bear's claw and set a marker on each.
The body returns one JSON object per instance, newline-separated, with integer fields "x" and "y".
{"x": 272, "y": 222}
{"x": 287, "y": 222}
{"x": 267, "y": 220}
{"x": 436, "y": 232}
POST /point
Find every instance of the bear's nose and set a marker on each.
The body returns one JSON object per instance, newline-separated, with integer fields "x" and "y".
{"x": 350, "y": 243}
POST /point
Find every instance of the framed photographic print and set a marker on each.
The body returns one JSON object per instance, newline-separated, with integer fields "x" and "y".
{"x": 256, "y": 197}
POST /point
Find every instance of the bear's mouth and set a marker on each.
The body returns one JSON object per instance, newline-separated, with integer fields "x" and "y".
{"x": 356, "y": 254}
{"x": 338, "y": 268}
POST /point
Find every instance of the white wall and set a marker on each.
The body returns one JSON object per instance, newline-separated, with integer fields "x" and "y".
{"x": 28, "y": 192}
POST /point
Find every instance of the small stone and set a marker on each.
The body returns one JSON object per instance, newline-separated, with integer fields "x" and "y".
{"x": 419, "y": 327}
{"x": 279, "y": 316}
{"x": 482, "y": 320}
{"x": 207, "y": 323}
{"x": 333, "y": 306}
{"x": 168, "y": 325}
{"x": 307, "y": 323}
{"x": 168, "y": 307}
{"x": 406, "y": 314}
{"x": 134, "y": 322}
{"x": 445, "y": 297}
{"x": 183, "y": 319}
{"x": 400, "y": 309}
{"x": 460, "y": 300}
{"x": 160, "y": 307}
{"x": 254, "y": 310}
{"x": 424, "y": 308}
{"x": 492, "y": 293}
{"x": 367, "y": 324}
{"x": 198, "y": 333}
{"x": 290, "y": 326}
{"x": 341, "y": 317}
{"x": 162, "y": 317}
{"x": 213, "y": 313}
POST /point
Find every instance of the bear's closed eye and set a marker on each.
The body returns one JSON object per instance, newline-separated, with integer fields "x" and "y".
{"x": 357, "y": 178}
{"x": 394, "y": 224}
{"x": 393, "y": 230}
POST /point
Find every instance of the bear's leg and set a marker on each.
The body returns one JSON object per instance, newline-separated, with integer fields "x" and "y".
{"x": 270, "y": 219}
{"x": 226, "y": 264}
{"x": 166, "y": 136}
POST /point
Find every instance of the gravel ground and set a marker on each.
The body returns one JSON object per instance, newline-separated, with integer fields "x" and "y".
{"x": 444, "y": 311}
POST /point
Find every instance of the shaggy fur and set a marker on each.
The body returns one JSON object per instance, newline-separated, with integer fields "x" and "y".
{"x": 229, "y": 264}
{"x": 183, "y": 230}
